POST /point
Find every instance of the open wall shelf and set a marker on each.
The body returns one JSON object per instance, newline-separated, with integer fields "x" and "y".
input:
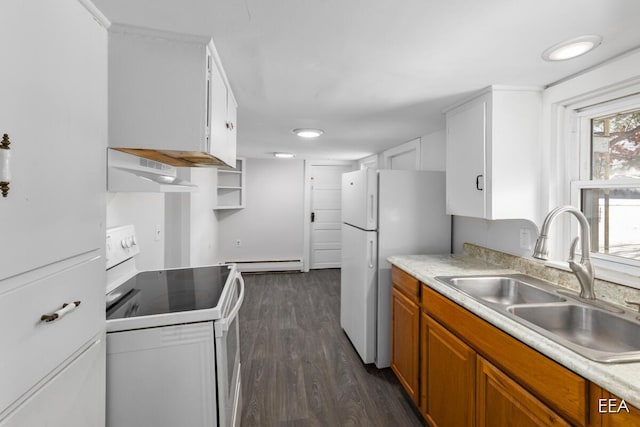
{"x": 231, "y": 186}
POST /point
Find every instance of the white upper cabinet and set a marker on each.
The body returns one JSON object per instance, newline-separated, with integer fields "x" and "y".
{"x": 223, "y": 117}
{"x": 54, "y": 109}
{"x": 169, "y": 99}
{"x": 493, "y": 157}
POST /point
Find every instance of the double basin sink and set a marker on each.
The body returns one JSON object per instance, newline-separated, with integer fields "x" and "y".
{"x": 600, "y": 333}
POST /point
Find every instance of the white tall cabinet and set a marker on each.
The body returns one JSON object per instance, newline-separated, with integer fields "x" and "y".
{"x": 53, "y": 87}
{"x": 493, "y": 154}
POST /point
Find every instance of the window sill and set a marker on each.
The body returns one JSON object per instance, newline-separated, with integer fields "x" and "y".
{"x": 613, "y": 276}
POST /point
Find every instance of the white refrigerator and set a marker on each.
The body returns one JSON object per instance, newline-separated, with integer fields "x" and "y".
{"x": 384, "y": 213}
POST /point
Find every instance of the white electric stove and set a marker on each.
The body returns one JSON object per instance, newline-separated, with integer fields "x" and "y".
{"x": 173, "y": 353}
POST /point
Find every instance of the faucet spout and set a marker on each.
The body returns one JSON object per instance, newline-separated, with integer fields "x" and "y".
{"x": 584, "y": 269}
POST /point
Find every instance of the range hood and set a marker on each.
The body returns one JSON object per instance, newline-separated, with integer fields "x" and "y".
{"x": 131, "y": 173}
{"x": 177, "y": 158}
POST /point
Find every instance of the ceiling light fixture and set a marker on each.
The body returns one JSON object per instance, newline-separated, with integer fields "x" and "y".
{"x": 284, "y": 155}
{"x": 571, "y": 48}
{"x": 308, "y": 132}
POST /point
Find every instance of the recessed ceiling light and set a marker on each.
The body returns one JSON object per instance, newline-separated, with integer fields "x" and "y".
{"x": 284, "y": 155}
{"x": 308, "y": 133}
{"x": 572, "y": 48}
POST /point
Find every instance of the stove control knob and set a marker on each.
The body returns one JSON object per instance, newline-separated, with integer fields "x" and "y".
{"x": 123, "y": 243}
{"x": 133, "y": 241}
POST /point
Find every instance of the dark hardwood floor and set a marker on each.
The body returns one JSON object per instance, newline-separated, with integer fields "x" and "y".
{"x": 298, "y": 366}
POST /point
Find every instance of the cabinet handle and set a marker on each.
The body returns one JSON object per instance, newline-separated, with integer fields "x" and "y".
{"x": 230, "y": 125}
{"x": 478, "y": 182}
{"x": 66, "y": 308}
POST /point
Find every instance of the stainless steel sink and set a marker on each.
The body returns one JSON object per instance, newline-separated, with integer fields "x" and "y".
{"x": 503, "y": 290}
{"x": 603, "y": 336}
{"x": 584, "y": 327}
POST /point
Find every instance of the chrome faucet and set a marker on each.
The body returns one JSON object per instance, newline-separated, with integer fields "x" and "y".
{"x": 584, "y": 269}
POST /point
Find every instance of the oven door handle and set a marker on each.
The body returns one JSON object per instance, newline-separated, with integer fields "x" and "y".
{"x": 222, "y": 325}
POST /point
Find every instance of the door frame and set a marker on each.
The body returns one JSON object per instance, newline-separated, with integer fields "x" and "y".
{"x": 308, "y": 164}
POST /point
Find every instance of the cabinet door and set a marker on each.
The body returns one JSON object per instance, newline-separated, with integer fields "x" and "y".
{"x": 450, "y": 378}
{"x": 54, "y": 108}
{"x": 466, "y": 173}
{"x": 74, "y": 397}
{"x": 614, "y": 413}
{"x": 232, "y": 117}
{"x": 405, "y": 328}
{"x": 424, "y": 373}
{"x": 503, "y": 402}
{"x": 157, "y": 92}
{"x": 223, "y": 128}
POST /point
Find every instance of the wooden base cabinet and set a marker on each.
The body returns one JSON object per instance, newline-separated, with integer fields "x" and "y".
{"x": 449, "y": 377}
{"x": 462, "y": 371}
{"x": 608, "y": 410}
{"x": 501, "y": 402}
{"x": 405, "y": 326}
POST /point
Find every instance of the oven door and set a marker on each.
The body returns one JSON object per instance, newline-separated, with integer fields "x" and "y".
{"x": 227, "y": 333}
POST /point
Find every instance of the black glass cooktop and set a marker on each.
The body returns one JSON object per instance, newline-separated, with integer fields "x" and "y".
{"x": 168, "y": 291}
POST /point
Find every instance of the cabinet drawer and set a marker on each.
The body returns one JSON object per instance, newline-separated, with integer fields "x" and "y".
{"x": 406, "y": 283}
{"x": 33, "y": 348}
{"x": 555, "y": 385}
{"x": 74, "y": 397}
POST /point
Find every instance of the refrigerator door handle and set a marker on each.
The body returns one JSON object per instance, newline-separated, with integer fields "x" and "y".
{"x": 373, "y": 206}
{"x": 370, "y": 253}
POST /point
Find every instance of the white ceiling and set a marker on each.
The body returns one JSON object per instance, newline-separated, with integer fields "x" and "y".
{"x": 376, "y": 73}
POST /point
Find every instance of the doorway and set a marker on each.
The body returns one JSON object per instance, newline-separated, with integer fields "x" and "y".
{"x": 323, "y": 212}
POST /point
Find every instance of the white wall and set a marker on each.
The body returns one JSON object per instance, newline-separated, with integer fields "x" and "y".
{"x": 145, "y": 211}
{"x": 204, "y": 226}
{"x": 424, "y": 153}
{"x": 432, "y": 151}
{"x": 188, "y": 227}
{"x": 503, "y": 235}
{"x": 270, "y": 227}
{"x": 192, "y": 227}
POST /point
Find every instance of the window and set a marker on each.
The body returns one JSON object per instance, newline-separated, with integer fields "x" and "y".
{"x": 615, "y": 146}
{"x": 608, "y": 191}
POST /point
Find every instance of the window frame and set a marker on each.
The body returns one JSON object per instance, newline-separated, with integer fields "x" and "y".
{"x": 581, "y": 118}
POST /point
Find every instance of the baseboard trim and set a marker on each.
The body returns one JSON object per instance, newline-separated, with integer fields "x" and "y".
{"x": 269, "y": 265}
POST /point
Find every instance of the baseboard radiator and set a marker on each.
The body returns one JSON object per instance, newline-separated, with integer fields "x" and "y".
{"x": 269, "y": 265}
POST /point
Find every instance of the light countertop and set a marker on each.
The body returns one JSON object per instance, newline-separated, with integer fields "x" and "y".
{"x": 621, "y": 379}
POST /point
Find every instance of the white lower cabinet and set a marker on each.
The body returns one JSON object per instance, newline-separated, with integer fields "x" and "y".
{"x": 73, "y": 397}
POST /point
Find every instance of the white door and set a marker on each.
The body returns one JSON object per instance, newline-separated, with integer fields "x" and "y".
{"x": 326, "y": 212}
